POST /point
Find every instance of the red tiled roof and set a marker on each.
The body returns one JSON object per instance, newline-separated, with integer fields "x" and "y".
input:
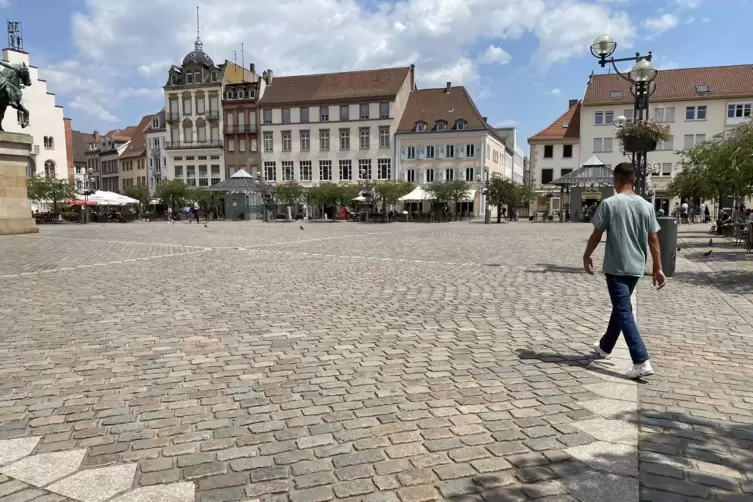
{"x": 137, "y": 146}
{"x": 723, "y": 82}
{"x": 432, "y": 105}
{"x": 385, "y": 82}
{"x": 567, "y": 126}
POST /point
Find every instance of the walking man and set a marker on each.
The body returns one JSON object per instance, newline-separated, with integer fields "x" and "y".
{"x": 631, "y": 227}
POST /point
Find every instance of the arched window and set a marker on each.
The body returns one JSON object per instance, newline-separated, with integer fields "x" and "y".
{"x": 31, "y": 167}
{"x": 187, "y": 131}
{"x": 49, "y": 169}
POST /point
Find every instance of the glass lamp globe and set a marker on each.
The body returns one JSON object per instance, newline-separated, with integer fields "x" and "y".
{"x": 603, "y": 46}
{"x": 620, "y": 121}
{"x": 643, "y": 71}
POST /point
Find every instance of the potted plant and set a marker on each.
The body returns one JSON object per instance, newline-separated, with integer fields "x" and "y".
{"x": 642, "y": 135}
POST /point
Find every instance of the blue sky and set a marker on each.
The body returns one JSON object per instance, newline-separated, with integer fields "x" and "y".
{"x": 522, "y": 59}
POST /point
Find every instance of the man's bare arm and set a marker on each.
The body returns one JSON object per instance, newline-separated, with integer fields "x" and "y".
{"x": 653, "y": 244}
{"x": 593, "y": 242}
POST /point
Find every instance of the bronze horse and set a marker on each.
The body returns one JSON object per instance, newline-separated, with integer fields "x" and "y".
{"x": 13, "y": 78}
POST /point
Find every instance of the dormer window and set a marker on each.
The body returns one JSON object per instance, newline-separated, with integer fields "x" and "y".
{"x": 174, "y": 79}
{"x": 460, "y": 125}
{"x": 155, "y": 122}
{"x": 197, "y": 77}
{"x": 616, "y": 94}
{"x": 420, "y": 127}
{"x": 702, "y": 89}
{"x": 241, "y": 94}
{"x": 251, "y": 93}
{"x": 441, "y": 125}
{"x": 214, "y": 76}
{"x": 229, "y": 95}
{"x": 189, "y": 78}
{"x": 565, "y": 124}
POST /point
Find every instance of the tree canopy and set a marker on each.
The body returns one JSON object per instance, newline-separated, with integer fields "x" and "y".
{"x": 390, "y": 191}
{"x": 173, "y": 193}
{"x": 721, "y": 166}
{"x": 444, "y": 192}
{"x": 290, "y": 193}
{"x": 138, "y": 192}
{"x": 506, "y": 192}
{"x": 42, "y": 189}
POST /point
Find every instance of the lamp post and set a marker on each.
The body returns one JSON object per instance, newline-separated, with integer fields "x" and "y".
{"x": 368, "y": 192}
{"x": 485, "y": 195}
{"x": 89, "y": 185}
{"x": 267, "y": 194}
{"x": 642, "y": 86}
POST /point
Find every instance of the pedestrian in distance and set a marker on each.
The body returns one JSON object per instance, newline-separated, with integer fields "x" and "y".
{"x": 631, "y": 227}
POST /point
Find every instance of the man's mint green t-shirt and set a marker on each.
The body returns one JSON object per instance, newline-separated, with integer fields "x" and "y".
{"x": 628, "y": 220}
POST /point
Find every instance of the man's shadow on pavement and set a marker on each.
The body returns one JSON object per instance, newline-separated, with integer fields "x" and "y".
{"x": 591, "y": 363}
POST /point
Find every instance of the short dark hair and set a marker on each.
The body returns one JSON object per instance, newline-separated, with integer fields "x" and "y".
{"x": 624, "y": 172}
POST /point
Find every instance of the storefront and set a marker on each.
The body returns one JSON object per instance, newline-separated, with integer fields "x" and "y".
{"x": 584, "y": 189}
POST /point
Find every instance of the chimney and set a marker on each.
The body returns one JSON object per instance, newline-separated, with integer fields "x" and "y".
{"x": 449, "y": 87}
{"x": 572, "y": 103}
{"x": 270, "y": 76}
{"x": 252, "y": 67}
{"x": 485, "y": 119}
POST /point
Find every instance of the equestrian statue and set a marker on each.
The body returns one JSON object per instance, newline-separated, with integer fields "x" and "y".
{"x": 13, "y": 78}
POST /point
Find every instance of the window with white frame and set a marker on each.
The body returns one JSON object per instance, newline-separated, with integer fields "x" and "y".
{"x": 306, "y": 171}
{"x": 287, "y": 141}
{"x": 410, "y": 153}
{"x": 384, "y": 169}
{"x": 449, "y": 174}
{"x": 430, "y": 151}
{"x": 270, "y": 170}
{"x": 305, "y": 141}
{"x": 268, "y": 142}
{"x": 441, "y": 125}
{"x": 603, "y": 144}
{"x": 242, "y": 145}
{"x": 420, "y": 127}
{"x": 738, "y": 111}
{"x": 692, "y": 140}
{"x": 344, "y": 113}
{"x": 384, "y": 137}
{"x": 346, "y": 170}
{"x": 668, "y": 144}
{"x": 695, "y": 112}
{"x": 449, "y": 151}
{"x": 430, "y": 175}
{"x": 325, "y": 170}
{"x": 469, "y": 173}
{"x": 324, "y": 113}
{"x": 286, "y": 115}
{"x": 666, "y": 169}
{"x": 187, "y": 105}
{"x": 364, "y": 169}
{"x": 410, "y": 175}
{"x": 603, "y": 117}
{"x": 461, "y": 125}
{"x": 288, "y": 170}
{"x": 267, "y": 116}
{"x": 363, "y": 111}
{"x": 664, "y": 114}
{"x": 384, "y": 110}
{"x": 344, "y": 139}
{"x": 304, "y": 115}
{"x": 470, "y": 151}
{"x": 364, "y": 138}
{"x": 230, "y": 145}
{"x": 324, "y": 139}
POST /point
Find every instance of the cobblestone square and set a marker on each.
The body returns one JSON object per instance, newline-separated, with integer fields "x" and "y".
{"x": 402, "y": 362}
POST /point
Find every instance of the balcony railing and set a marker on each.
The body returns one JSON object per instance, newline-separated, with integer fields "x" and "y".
{"x": 172, "y": 116}
{"x": 182, "y": 145}
{"x": 236, "y": 129}
{"x": 154, "y": 151}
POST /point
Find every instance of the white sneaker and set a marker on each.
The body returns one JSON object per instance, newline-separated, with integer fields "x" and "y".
{"x": 600, "y": 353}
{"x": 640, "y": 370}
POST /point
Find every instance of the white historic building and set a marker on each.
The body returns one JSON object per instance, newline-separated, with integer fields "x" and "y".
{"x": 696, "y": 103}
{"x": 332, "y": 127}
{"x": 156, "y": 140}
{"x": 194, "y": 147}
{"x": 443, "y": 137}
{"x": 49, "y": 155}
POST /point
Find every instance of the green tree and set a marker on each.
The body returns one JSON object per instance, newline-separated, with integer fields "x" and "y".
{"x": 138, "y": 192}
{"x": 173, "y": 193}
{"x": 691, "y": 184}
{"x": 346, "y": 193}
{"x": 444, "y": 192}
{"x": 325, "y": 194}
{"x": 289, "y": 194}
{"x": 55, "y": 190}
{"x": 390, "y": 191}
{"x": 502, "y": 192}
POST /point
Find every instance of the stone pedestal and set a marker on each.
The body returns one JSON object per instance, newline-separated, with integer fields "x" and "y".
{"x": 15, "y": 210}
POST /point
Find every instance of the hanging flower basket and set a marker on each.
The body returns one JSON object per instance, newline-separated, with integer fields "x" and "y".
{"x": 642, "y": 135}
{"x": 638, "y": 144}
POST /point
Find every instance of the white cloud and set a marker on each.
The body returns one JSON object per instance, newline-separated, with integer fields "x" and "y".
{"x": 494, "y": 55}
{"x": 658, "y": 25}
{"x": 133, "y": 42}
{"x": 507, "y": 123}
{"x": 688, "y": 4}
{"x": 4, "y": 4}
{"x": 556, "y": 92}
{"x": 93, "y": 108}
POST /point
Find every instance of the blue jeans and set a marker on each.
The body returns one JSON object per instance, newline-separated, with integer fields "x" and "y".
{"x": 622, "y": 319}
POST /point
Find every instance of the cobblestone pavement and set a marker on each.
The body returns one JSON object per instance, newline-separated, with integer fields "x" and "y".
{"x": 360, "y": 362}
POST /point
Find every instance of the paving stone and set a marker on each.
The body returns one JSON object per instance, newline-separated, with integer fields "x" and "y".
{"x": 204, "y": 470}
{"x": 612, "y": 431}
{"x": 609, "y": 457}
{"x": 319, "y": 494}
{"x": 14, "y": 449}
{"x": 425, "y": 493}
{"x": 598, "y": 487}
{"x": 353, "y": 488}
{"x": 96, "y": 485}
{"x": 41, "y": 470}
{"x": 173, "y": 492}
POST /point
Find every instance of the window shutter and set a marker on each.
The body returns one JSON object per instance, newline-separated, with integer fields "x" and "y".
{"x": 403, "y": 153}
{"x": 439, "y": 151}
{"x": 460, "y": 151}
{"x": 421, "y": 152}
{"x": 420, "y": 176}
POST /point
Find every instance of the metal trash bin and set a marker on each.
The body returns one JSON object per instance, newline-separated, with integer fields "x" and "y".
{"x": 668, "y": 244}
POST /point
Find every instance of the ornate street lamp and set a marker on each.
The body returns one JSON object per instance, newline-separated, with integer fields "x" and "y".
{"x": 89, "y": 188}
{"x": 484, "y": 189}
{"x": 642, "y": 86}
{"x": 368, "y": 192}
{"x": 267, "y": 194}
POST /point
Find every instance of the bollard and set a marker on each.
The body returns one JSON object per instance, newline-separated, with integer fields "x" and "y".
{"x": 668, "y": 244}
